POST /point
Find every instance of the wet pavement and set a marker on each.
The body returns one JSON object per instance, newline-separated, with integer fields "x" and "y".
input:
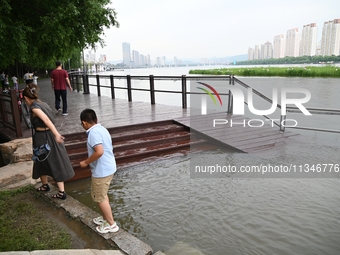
{"x": 110, "y": 112}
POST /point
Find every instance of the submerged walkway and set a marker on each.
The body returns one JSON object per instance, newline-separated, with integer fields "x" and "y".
{"x": 110, "y": 112}
{"x": 239, "y": 136}
{"x": 119, "y": 112}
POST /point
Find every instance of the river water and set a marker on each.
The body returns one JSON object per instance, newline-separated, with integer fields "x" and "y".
{"x": 164, "y": 206}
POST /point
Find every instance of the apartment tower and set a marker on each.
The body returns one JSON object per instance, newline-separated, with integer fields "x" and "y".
{"x": 126, "y": 54}
{"x": 250, "y": 53}
{"x": 257, "y": 52}
{"x": 267, "y": 50}
{"x": 292, "y": 43}
{"x": 135, "y": 58}
{"x": 309, "y": 40}
{"x": 330, "y": 42}
{"x": 279, "y": 46}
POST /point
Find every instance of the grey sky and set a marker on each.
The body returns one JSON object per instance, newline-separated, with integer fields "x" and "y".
{"x": 214, "y": 28}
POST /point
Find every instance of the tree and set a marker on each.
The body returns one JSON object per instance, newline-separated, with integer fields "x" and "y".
{"x": 38, "y": 32}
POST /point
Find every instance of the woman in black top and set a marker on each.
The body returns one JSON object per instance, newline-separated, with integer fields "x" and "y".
{"x": 55, "y": 162}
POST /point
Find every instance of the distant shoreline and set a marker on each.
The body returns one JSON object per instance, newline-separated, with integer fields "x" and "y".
{"x": 308, "y": 71}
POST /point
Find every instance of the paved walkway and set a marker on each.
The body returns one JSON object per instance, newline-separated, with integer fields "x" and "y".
{"x": 110, "y": 112}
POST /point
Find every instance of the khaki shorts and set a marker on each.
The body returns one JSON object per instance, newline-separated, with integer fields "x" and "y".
{"x": 100, "y": 187}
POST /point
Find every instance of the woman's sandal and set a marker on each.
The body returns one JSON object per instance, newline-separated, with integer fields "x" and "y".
{"x": 44, "y": 187}
{"x": 60, "y": 195}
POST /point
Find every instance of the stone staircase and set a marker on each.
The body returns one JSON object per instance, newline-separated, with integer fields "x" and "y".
{"x": 136, "y": 144}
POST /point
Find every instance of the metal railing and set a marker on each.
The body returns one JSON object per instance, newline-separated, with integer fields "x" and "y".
{"x": 313, "y": 110}
{"x": 81, "y": 83}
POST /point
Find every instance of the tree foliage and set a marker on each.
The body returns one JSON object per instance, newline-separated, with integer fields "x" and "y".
{"x": 37, "y": 32}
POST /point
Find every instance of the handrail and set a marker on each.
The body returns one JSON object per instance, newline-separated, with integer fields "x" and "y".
{"x": 314, "y": 110}
{"x": 184, "y": 91}
{"x": 282, "y": 127}
{"x": 328, "y": 111}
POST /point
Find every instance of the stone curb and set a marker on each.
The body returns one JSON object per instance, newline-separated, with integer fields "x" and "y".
{"x": 125, "y": 241}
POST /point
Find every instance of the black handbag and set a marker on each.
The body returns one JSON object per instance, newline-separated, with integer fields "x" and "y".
{"x": 42, "y": 152}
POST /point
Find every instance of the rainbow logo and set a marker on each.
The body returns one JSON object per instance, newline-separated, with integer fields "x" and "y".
{"x": 204, "y": 100}
{"x": 209, "y": 93}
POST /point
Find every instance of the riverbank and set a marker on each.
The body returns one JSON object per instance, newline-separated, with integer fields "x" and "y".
{"x": 307, "y": 71}
{"x": 51, "y": 228}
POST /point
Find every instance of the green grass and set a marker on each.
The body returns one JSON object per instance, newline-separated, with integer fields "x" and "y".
{"x": 309, "y": 71}
{"x": 23, "y": 227}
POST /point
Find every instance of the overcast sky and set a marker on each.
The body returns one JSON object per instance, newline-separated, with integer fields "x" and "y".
{"x": 208, "y": 28}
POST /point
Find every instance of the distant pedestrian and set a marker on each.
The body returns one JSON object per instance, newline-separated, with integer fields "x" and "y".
{"x": 35, "y": 78}
{"x": 15, "y": 83}
{"x": 59, "y": 78}
{"x": 2, "y": 79}
{"x": 6, "y": 82}
{"x": 103, "y": 165}
{"x": 28, "y": 77}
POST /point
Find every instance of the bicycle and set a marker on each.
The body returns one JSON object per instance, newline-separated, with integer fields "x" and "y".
{"x": 23, "y": 110}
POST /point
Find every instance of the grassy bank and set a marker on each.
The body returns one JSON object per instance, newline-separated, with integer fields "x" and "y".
{"x": 310, "y": 71}
{"x": 23, "y": 226}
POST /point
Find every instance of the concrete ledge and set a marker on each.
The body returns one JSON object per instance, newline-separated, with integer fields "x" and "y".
{"x": 125, "y": 241}
{"x": 16, "y": 175}
{"x": 18, "y": 150}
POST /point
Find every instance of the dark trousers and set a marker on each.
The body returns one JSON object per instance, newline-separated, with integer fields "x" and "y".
{"x": 3, "y": 85}
{"x": 62, "y": 94}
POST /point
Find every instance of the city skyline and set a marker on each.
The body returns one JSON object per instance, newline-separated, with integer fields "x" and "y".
{"x": 206, "y": 29}
{"x": 301, "y": 42}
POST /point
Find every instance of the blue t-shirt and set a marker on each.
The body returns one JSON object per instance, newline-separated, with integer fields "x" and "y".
{"x": 106, "y": 164}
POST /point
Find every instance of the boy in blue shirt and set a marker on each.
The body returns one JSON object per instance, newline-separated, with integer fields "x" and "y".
{"x": 103, "y": 165}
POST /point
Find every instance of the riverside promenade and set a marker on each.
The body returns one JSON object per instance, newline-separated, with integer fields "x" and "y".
{"x": 110, "y": 113}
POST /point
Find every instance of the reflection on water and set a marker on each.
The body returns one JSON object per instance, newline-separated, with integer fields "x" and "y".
{"x": 160, "y": 204}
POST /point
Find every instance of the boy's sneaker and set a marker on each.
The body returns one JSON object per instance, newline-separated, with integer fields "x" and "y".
{"x": 65, "y": 114}
{"x": 106, "y": 228}
{"x": 59, "y": 110}
{"x": 99, "y": 220}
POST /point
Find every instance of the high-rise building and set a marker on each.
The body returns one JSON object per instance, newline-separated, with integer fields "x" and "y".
{"x": 279, "y": 46}
{"x": 141, "y": 60}
{"x": 292, "y": 43}
{"x": 250, "y": 53}
{"x": 163, "y": 61}
{"x": 330, "y": 42}
{"x": 309, "y": 40}
{"x": 267, "y": 50}
{"x": 135, "y": 58}
{"x": 126, "y": 54}
{"x": 257, "y": 52}
{"x": 148, "y": 60}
